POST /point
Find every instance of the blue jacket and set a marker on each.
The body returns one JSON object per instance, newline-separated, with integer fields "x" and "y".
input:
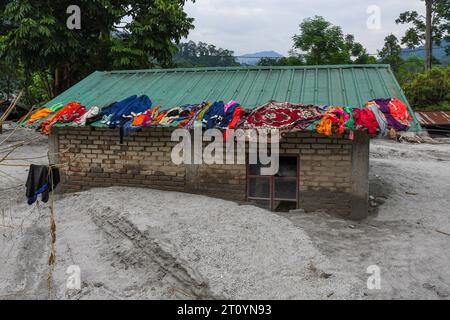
{"x": 119, "y": 110}
{"x": 228, "y": 116}
{"x": 214, "y": 116}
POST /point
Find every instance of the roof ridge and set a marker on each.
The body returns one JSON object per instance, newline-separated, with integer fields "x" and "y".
{"x": 203, "y": 69}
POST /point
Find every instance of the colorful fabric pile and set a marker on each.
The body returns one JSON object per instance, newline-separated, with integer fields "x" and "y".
{"x": 283, "y": 116}
{"x": 379, "y": 116}
{"x": 43, "y": 113}
{"x": 67, "y": 114}
{"x": 334, "y": 121}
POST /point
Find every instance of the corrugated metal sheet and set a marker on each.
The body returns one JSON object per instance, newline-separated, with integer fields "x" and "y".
{"x": 433, "y": 118}
{"x": 339, "y": 85}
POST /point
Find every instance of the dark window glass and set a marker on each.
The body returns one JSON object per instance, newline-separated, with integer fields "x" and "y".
{"x": 255, "y": 169}
{"x": 285, "y": 206}
{"x": 288, "y": 167}
{"x": 259, "y": 188}
{"x": 277, "y": 192}
{"x": 265, "y": 204}
{"x": 285, "y": 189}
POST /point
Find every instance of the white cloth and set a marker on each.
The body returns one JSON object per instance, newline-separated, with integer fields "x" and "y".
{"x": 81, "y": 121}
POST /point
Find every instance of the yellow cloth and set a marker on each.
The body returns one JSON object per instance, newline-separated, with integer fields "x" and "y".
{"x": 324, "y": 127}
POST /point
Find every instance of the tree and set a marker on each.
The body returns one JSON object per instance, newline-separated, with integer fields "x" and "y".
{"x": 323, "y": 43}
{"x": 293, "y": 59}
{"x": 190, "y": 54}
{"x": 391, "y": 52}
{"x": 408, "y": 69}
{"x": 428, "y": 29}
{"x": 115, "y": 34}
{"x": 284, "y": 61}
{"x": 430, "y": 89}
{"x": 8, "y": 81}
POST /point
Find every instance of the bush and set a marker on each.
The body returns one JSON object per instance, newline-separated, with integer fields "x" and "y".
{"x": 428, "y": 89}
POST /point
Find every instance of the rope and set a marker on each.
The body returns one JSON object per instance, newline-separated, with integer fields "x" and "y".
{"x": 52, "y": 257}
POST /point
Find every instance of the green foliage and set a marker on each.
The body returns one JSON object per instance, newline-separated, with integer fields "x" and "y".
{"x": 415, "y": 35}
{"x": 443, "y": 106}
{"x": 39, "y": 88}
{"x": 114, "y": 34}
{"x": 323, "y": 43}
{"x": 8, "y": 81}
{"x": 293, "y": 59}
{"x": 391, "y": 52}
{"x": 429, "y": 88}
{"x": 408, "y": 69}
{"x": 190, "y": 54}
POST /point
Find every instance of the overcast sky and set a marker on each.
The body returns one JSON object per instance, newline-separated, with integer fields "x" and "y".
{"x": 248, "y": 26}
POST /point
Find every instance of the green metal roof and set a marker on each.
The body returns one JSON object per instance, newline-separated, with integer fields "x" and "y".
{"x": 338, "y": 85}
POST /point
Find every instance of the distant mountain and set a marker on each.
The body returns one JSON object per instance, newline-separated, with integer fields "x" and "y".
{"x": 438, "y": 52}
{"x": 252, "y": 59}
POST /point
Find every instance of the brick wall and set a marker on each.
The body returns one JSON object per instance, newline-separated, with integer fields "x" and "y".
{"x": 325, "y": 170}
{"x": 96, "y": 159}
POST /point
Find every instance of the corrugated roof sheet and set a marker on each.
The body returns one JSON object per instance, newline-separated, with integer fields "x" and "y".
{"x": 432, "y": 118}
{"x": 338, "y": 85}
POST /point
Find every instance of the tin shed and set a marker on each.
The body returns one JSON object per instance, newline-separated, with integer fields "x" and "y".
{"x": 319, "y": 172}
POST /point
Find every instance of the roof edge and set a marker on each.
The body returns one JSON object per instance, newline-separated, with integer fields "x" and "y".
{"x": 337, "y": 66}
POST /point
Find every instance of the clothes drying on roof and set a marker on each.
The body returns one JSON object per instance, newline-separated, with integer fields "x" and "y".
{"x": 237, "y": 114}
{"x": 138, "y": 121}
{"x": 170, "y": 116}
{"x": 195, "y": 116}
{"x": 40, "y": 114}
{"x": 205, "y": 108}
{"x": 383, "y": 105}
{"x": 399, "y": 111}
{"x": 333, "y": 121}
{"x": 350, "y": 121}
{"x": 114, "y": 114}
{"x": 229, "y": 113}
{"x": 91, "y": 114}
{"x": 365, "y": 119}
{"x": 381, "y": 116}
{"x": 65, "y": 113}
{"x": 283, "y": 116}
{"x": 41, "y": 180}
{"x": 44, "y": 112}
{"x": 214, "y": 116}
{"x": 381, "y": 119}
{"x": 72, "y": 115}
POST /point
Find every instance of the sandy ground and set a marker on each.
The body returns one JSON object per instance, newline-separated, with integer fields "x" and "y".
{"x": 133, "y": 243}
{"x": 403, "y": 238}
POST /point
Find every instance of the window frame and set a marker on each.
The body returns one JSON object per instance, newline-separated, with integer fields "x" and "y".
{"x": 272, "y": 179}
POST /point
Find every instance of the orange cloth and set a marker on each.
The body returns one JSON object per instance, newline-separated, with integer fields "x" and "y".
{"x": 158, "y": 118}
{"x": 334, "y": 116}
{"x": 69, "y": 108}
{"x": 42, "y": 113}
{"x": 138, "y": 120}
{"x": 324, "y": 126}
{"x": 399, "y": 111}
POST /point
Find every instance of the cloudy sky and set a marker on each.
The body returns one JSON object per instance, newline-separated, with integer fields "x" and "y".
{"x": 248, "y": 26}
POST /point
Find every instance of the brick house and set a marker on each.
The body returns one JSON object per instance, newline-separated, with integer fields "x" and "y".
{"x": 316, "y": 172}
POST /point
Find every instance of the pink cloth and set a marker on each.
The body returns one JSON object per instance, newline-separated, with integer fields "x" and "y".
{"x": 228, "y": 105}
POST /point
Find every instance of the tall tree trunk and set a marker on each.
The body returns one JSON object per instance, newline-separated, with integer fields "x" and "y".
{"x": 429, "y": 36}
{"x": 57, "y": 81}
{"x": 8, "y": 88}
